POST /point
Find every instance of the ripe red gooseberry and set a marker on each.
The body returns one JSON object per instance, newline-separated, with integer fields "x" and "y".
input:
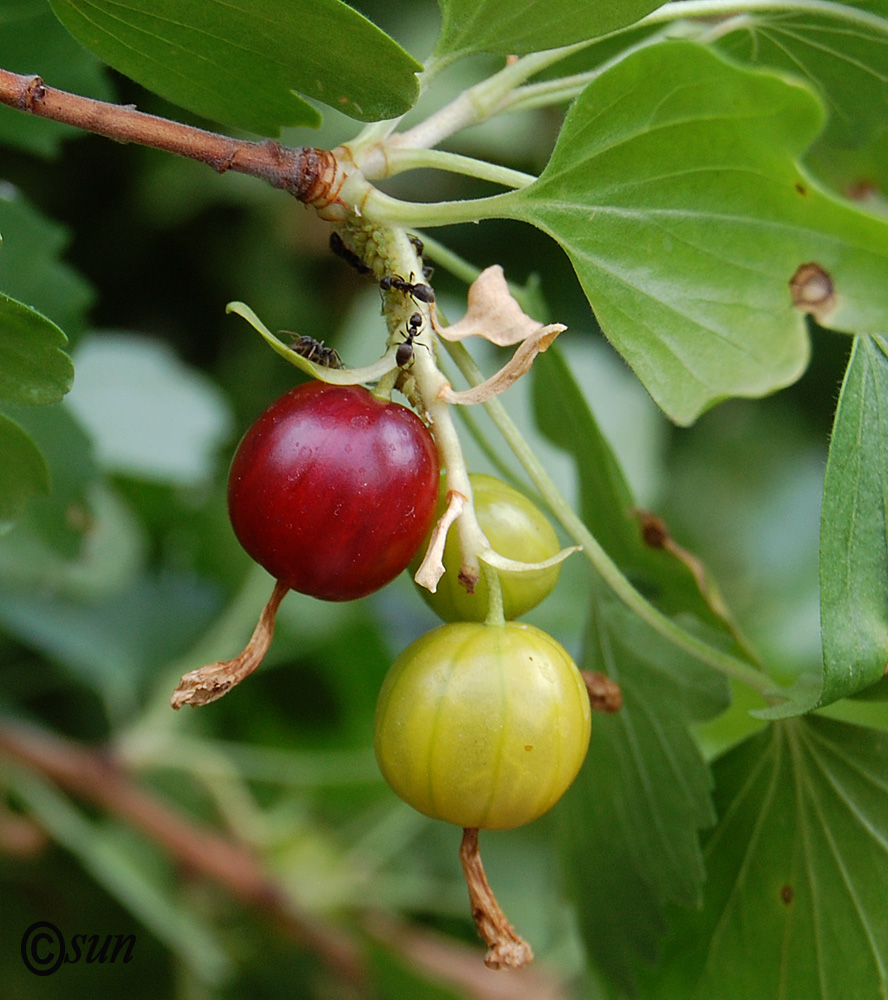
{"x": 517, "y": 529}
{"x": 482, "y": 725}
{"x": 333, "y": 490}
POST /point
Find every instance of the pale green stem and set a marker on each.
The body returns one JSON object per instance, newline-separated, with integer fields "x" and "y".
{"x": 388, "y": 211}
{"x": 716, "y": 8}
{"x": 726, "y": 664}
{"x": 495, "y": 614}
{"x": 399, "y": 159}
{"x": 478, "y": 103}
{"x": 536, "y": 95}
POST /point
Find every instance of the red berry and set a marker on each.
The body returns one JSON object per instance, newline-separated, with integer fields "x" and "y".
{"x": 333, "y": 490}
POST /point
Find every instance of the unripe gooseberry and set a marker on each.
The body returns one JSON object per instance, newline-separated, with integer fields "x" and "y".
{"x": 482, "y": 725}
{"x": 517, "y": 529}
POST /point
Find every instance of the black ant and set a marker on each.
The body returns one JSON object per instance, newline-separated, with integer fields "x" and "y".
{"x": 418, "y": 292}
{"x": 337, "y": 245}
{"x": 315, "y": 351}
{"x": 404, "y": 353}
{"x": 419, "y": 247}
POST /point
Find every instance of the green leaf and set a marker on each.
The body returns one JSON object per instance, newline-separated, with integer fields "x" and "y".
{"x": 854, "y": 529}
{"x": 149, "y": 415}
{"x": 57, "y": 530}
{"x": 33, "y": 368}
{"x": 33, "y": 41}
{"x": 797, "y": 872}
{"x": 669, "y": 576}
{"x": 631, "y": 818}
{"x": 845, "y": 61}
{"x": 239, "y": 61}
{"x": 674, "y": 190}
{"x": 505, "y": 27}
{"x": 25, "y": 473}
{"x": 31, "y": 268}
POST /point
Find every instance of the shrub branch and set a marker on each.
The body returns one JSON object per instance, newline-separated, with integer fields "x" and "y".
{"x": 302, "y": 171}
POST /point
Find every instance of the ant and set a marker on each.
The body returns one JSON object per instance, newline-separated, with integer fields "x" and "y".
{"x": 419, "y": 247}
{"x": 337, "y": 245}
{"x": 315, "y": 351}
{"x": 418, "y": 292}
{"x": 404, "y": 353}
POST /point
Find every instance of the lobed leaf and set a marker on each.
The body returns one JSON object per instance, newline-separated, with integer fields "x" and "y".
{"x": 845, "y": 62}
{"x": 674, "y": 190}
{"x": 632, "y": 817}
{"x": 241, "y": 62}
{"x": 797, "y": 872}
{"x": 854, "y": 529}
{"x": 506, "y": 27}
{"x": 25, "y": 473}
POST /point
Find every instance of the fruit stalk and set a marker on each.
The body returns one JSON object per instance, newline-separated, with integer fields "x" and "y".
{"x": 505, "y": 948}
{"x": 212, "y": 681}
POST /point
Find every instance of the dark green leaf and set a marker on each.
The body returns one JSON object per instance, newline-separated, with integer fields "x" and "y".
{"x": 854, "y": 529}
{"x": 239, "y": 61}
{"x": 54, "y": 529}
{"x": 797, "y": 872}
{"x": 669, "y": 576}
{"x": 33, "y": 41}
{"x": 24, "y": 471}
{"x": 845, "y": 61}
{"x": 674, "y": 190}
{"x": 504, "y": 27}
{"x": 31, "y": 268}
{"x": 632, "y": 816}
{"x": 33, "y": 367}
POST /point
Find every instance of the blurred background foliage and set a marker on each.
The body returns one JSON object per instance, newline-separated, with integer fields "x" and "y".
{"x": 128, "y": 575}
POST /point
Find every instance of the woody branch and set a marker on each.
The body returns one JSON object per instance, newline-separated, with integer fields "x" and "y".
{"x": 302, "y": 170}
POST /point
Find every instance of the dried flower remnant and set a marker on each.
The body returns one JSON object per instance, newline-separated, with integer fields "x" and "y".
{"x": 493, "y": 313}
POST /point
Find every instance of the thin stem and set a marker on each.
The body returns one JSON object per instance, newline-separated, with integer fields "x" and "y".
{"x": 495, "y": 613}
{"x": 478, "y": 103}
{"x": 726, "y": 664}
{"x": 715, "y": 8}
{"x": 566, "y": 88}
{"x": 400, "y": 159}
{"x": 388, "y": 211}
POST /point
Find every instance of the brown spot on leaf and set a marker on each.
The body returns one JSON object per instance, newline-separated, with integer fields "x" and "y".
{"x": 801, "y": 188}
{"x": 786, "y": 894}
{"x": 812, "y": 290}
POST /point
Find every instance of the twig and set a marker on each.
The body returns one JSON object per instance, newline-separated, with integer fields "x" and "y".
{"x": 311, "y": 175}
